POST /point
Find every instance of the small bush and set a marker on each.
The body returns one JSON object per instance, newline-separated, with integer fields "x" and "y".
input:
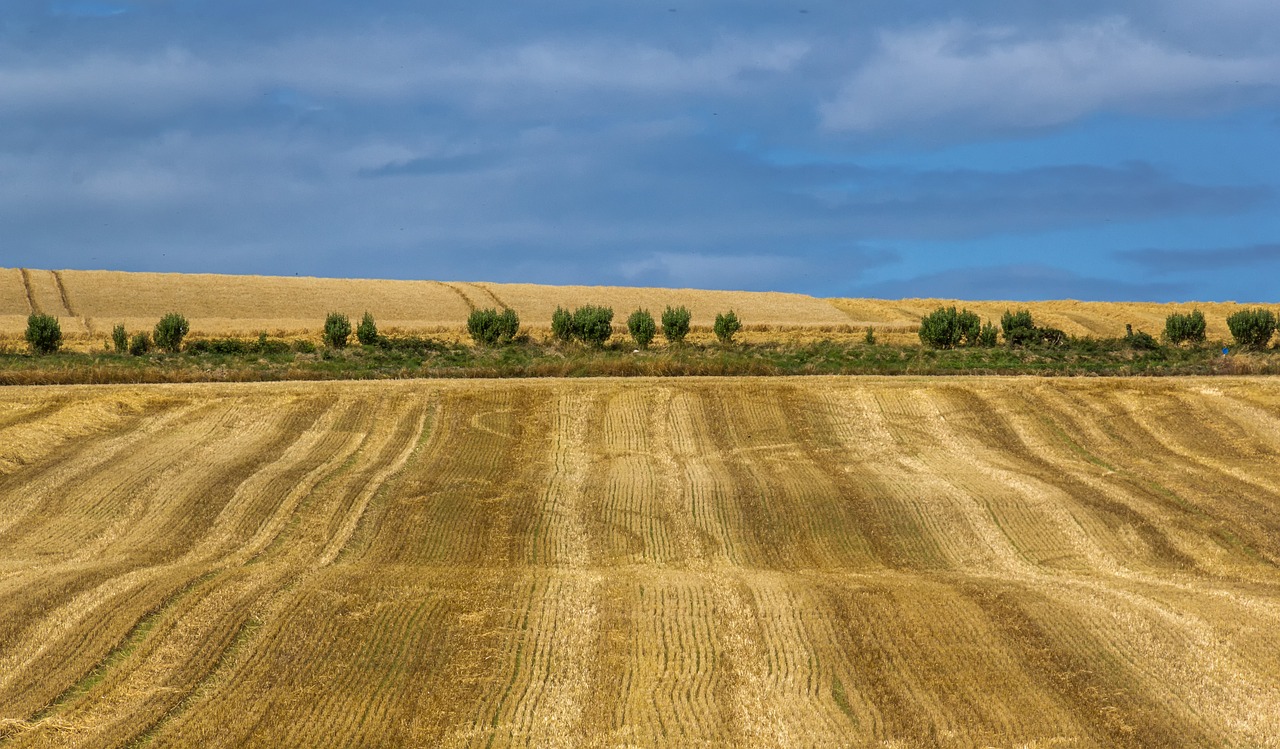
{"x": 1139, "y": 341}
{"x": 120, "y": 339}
{"x": 337, "y": 329}
{"x": 870, "y": 337}
{"x": 1179, "y": 328}
{"x": 303, "y": 346}
{"x": 970, "y": 326}
{"x": 593, "y": 324}
{"x": 727, "y": 326}
{"x": 1252, "y": 328}
{"x": 489, "y": 327}
{"x": 988, "y": 337}
{"x": 562, "y": 324}
{"x": 224, "y": 346}
{"x": 675, "y": 323}
{"x": 140, "y": 345}
{"x": 1018, "y": 328}
{"x": 367, "y": 331}
{"x": 170, "y": 331}
{"x": 941, "y": 328}
{"x": 44, "y": 334}
{"x": 1052, "y": 336}
{"x": 642, "y": 327}
{"x": 265, "y": 346}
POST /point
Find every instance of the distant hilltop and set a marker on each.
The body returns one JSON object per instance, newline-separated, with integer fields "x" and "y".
{"x": 90, "y": 303}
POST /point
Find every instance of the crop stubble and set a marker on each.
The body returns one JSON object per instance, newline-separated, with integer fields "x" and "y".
{"x": 643, "y": 562}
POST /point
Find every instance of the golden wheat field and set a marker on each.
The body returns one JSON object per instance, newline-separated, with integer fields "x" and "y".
{"x": 1022, "y": 562}
{"x": 90, "y": 303}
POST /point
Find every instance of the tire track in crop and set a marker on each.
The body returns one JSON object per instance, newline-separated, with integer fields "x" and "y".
{"x": 471, "y": 306}
{"x": 26, "y": 285}
{"x": 66, "y": 301}
{"x": 486, "y": 291}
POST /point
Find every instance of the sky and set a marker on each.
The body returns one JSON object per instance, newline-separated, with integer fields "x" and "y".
{"x": 992, "y": 149}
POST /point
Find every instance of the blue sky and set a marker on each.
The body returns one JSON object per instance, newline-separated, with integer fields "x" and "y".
{"x": 989, "y": 149}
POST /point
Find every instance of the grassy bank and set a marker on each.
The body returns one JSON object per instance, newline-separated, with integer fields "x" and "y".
{"x": 247, "y": 360}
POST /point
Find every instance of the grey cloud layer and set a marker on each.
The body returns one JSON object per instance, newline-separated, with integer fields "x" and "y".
{"x": 581, "y": 143}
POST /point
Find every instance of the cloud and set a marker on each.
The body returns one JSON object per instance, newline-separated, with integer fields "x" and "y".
{"x": 1163, "y": 262}
{"x": 969, "y": 202}
{"x": 377, "y": 65}
{"x": 87, "y": 9}
{"x": 960, "y": 78}
{"x": 429, "y": 165}
{"x": 747, "y": 271}
{"x": 1022, "y": 282}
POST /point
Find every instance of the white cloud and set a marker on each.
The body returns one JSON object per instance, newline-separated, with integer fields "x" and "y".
{"x": 377, "y": 66}
{"x": 962, "y": 78}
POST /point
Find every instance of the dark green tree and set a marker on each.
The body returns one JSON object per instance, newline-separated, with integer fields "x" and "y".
{"x": 120, "y": 339}
{"x": 562, "y": 324}
{"x": 642, "y": 327}
{"x": 367, "y": 330}
{"x": 1185, "y": 328}
{"x": 337, "y": 329}
{"x": 170, "y": 331}
{"x": 727, "y": 326}
{"x": 1018, "y": 328}
{"x": 44, "y": 334}
{"x": 675, "y": 323}
{"x": 1252, "y": 328}
{"x": 592, "y": 324}
{"x": 489, "y": 327}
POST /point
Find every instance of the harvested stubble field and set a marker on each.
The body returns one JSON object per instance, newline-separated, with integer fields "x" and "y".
{"x": 701, "y": 562}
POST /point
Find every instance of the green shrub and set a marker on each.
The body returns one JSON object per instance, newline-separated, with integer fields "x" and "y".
{"x": 1018, "y": 328}
{"x": 642, "y": 327}
{"x": 562, "y": 324}
{"x": 970, "y": 326}
{"x": 941, "y": 328}
{"x": 489, "y": 327}
{"x": 1179, "y": 328}
{"x": 675, "y": 323}
{"x": 170, "y": 331}
{"x": 219, "y": 346}
{"x": 1252, "y": 328}
{"x": 367, "y": 330}
{"x": 726, "y": 326}
{"x": 337, "y": 329}
{"x": 44, "y": 334}
{"x": 593, "y": 324}
{"x": 870, "y": 337}
{"x": 120, "y": 339}
{"x": 140, "y": 345}
{"x": 303, "y": 346}
{"x": 1053, "y": 336}
{"x": 1139, "y": 340}
{"x": 989, "y": 335}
